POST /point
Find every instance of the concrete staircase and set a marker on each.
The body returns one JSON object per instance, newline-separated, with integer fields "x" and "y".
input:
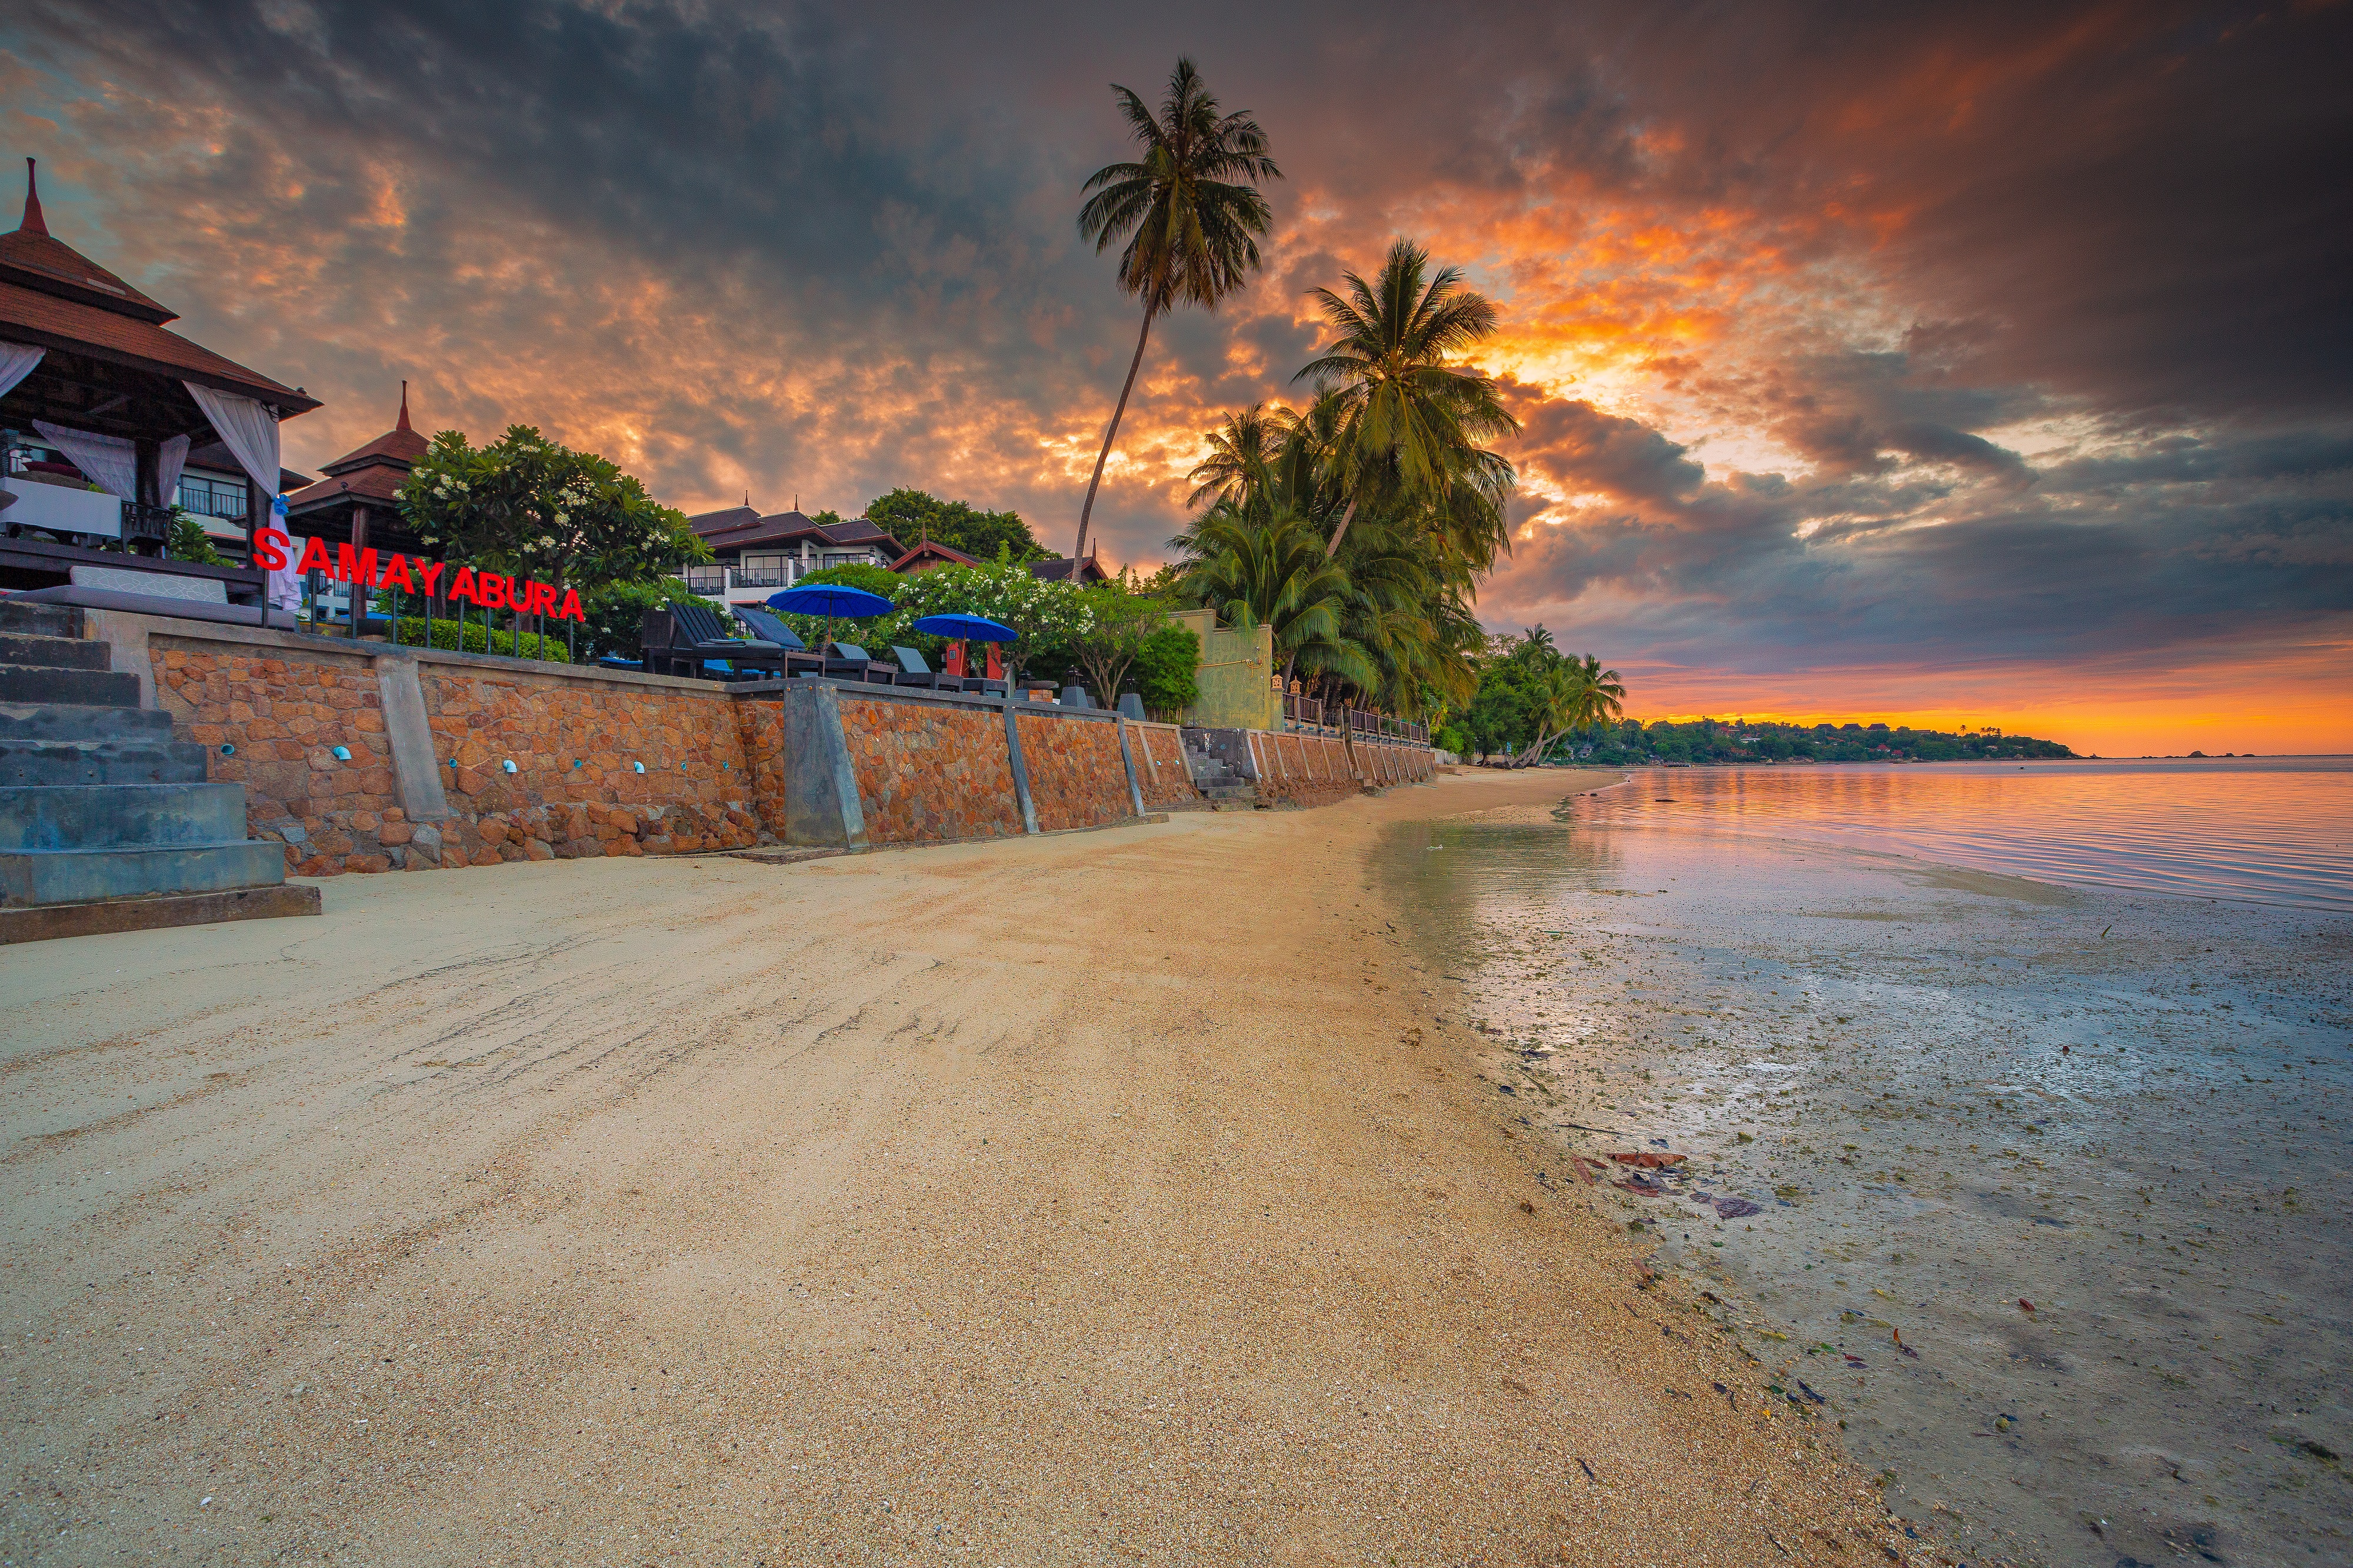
{"x": 107, "y": 823}
{"x": 1221, "y": 788}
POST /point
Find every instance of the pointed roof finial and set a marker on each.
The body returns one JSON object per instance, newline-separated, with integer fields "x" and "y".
{"x": 404, "y": 424}
{"x": 34, "y": 223}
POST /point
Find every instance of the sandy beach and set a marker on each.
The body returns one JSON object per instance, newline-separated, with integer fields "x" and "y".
{"x": 1129, "y": 1195}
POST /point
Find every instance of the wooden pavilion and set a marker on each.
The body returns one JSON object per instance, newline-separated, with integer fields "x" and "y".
{"x": 358, "y": 501}
{"x": 104, "y": 365}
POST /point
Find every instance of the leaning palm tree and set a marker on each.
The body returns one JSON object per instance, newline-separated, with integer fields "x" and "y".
{"x": 1191, "y": 206}
{"x": 1573, "y": 695}
{"x": 1605, "y": 693}
{"x": 1412, "y": 425}
{"x": 1558, "y": 698}
{"x": 1242, "y": 455}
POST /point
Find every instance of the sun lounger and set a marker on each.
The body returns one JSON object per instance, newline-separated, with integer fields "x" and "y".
{"x": 913, "y": 671}
{"x": 770, "y": 628}
{"x": 679, "y": 638}
{"x": 850, "y": 660}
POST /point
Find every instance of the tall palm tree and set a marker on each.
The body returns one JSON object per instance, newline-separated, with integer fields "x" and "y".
{"x": 1412, "y": 425}
{"x": 1242, "y": 455}
{"x": 1190, "y": 203}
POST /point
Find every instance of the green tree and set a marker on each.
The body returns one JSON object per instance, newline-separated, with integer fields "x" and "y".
{"x": 875, "y": 633}
{"x": 190, "y": 542}
{"x": 531, "y": 507}
{"x": 911, "y": 515}
{"x": 1120, "y": 621}
{"x": 1168, "y": 670}
{"x": 1046, "y": 616}
{"x": 1191, "y": 210}
{"x": 1409, "y": 425}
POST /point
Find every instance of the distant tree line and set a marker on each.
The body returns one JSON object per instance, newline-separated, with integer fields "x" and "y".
{"x": 1704, "y": 741}
{"x": 1535, "y": 704}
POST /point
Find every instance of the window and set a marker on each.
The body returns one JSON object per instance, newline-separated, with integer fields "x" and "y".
{"x": 209, "y": 497}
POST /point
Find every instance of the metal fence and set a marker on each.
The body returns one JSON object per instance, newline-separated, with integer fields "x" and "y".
{"x": 1301, "y": 712}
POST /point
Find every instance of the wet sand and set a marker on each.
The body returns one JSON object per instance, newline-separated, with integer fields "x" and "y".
{"x": 1115, "y": 1197}
{"x": 2051, "y": 1184}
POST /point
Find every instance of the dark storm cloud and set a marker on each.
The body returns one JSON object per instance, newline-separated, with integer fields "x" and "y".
{"x": 1757, "y": 573}
{"x": 2030, "y": 320}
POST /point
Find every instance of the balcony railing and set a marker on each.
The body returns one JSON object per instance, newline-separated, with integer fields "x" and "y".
{"x": 720, "y": 579}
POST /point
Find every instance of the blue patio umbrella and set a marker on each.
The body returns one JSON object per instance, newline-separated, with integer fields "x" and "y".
{"x": 830, "y": 600}
{"x": 966, "y": 629}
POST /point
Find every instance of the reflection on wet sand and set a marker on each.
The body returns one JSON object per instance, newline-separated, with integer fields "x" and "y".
{"x": 2050, "y": 1184}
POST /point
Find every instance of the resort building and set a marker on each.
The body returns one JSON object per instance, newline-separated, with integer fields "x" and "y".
{"x": 1062, "y": 569}
{"x": 215, "y": 491}
{"x": 755, "y": 556}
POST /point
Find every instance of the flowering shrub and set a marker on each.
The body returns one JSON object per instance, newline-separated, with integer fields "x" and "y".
{"x": 526, "y": 505}
{"x": 1004, "y": 590}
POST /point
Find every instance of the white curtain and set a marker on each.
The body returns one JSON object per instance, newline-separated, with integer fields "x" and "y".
{"x": 109, "y": 461}
{"x": 16, "y": 362}
{"x": 250, "y": 430}
{"x": 169, "y": 460}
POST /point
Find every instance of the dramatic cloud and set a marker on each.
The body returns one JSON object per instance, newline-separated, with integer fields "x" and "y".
{"x": 1986, "y": 359}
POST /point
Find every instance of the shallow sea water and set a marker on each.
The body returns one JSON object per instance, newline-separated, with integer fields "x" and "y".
{"x": 2052, "y": 1181}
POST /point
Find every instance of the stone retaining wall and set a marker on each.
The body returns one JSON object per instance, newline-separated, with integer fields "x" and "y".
{"x": 617, "y": 763}
{"x": 1160, "y": 770}
{"x": 1299, "y": 769}
{"x": 1077, "y": 777}
{"x": 271, "y": 708}
{"x": 930, "y": 770}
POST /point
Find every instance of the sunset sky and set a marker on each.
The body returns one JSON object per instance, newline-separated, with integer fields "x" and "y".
{"x": 1952, "y": 363}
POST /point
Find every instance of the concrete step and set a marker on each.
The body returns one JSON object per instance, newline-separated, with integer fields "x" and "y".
{"x": 49, "y": 922}
{"x": 40, "y": 620}
{"x": 1230, "y": 792}
{"x": 99, "y": 688}
{"x": 120, "y": 815}
{"x": 51, "y": 653}
{"x": 87, "y": 875}
{"x": 51, "y": 763}
{"x": 81, "y": 721}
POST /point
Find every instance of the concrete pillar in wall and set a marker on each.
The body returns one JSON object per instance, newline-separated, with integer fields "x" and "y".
{"x": 820, "y": 787}
{"x": 1135, "y": 793}
{"x": 1020, "y": 768}
{"x": 406, "y": 731}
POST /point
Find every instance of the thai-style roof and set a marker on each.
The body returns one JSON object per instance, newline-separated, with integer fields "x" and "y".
{"x": 372, "y": 473}
{"x": 1062, "y": 569}
{"x": 743, "y": 527}
{"x": 932, "y": 552}
{"x": 55, "y": 297}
